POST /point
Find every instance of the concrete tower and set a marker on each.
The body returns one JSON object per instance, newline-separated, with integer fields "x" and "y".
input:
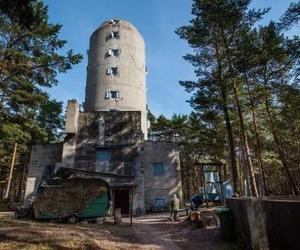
{"x": 116, "y": 72}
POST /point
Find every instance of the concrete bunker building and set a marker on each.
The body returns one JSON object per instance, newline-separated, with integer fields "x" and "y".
{"x": 110, "y": 135}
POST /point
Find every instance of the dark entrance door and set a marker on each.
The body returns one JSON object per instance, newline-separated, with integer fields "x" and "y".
{"x": 122, "y": 200}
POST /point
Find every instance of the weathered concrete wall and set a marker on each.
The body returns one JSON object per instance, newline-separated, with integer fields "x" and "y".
{"x": 139, "y": 192}
{"x": 71, "y": 127}
{"x": 130, "y": 79}
{"x": 282, "y": 224}
{"x": 267, "y": 223}
{"x": 170, "y": 182}
{"x": 41, "y": 157}
{"x": 120, "y": 133}
{"x": 72, "y": 117}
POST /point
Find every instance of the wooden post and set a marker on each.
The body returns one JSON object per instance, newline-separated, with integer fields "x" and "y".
{"x": 131, "y": 205}
{"x": 11, "y": 171}
{"x": 117, "y": 216}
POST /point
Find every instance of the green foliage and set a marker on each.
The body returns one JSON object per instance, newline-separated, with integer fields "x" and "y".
{"x": 199, "y": 140}
{"x": 247, "y": 87}
{"x": 291, "y": 16}
{"x": 31, "y": 56}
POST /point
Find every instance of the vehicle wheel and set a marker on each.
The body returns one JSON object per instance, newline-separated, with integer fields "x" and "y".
{"x": 72, "y": 220}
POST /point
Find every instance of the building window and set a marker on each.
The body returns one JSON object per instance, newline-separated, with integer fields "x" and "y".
{"x": 103, "y": 155}
{"x": 116, "y": 52}
{"x": 115, "y": 34}
{"x": 109, "y": 52}
{"x": 112, "y": 94}
{"x": 115, "y": 21}
{"x": 112, "y": 71}
{"x": 160, "y": 202}
{"x": 113, "y": 52}
{"x": 158, "y": 169}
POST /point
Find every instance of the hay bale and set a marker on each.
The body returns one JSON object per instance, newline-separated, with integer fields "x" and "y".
{"x": 69, "y": 199}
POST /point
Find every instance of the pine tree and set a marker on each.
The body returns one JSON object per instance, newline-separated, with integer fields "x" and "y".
{"x": 30, "y": 59}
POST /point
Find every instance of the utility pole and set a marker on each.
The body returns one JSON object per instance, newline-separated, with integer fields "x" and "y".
{"x": 11, "y": 171}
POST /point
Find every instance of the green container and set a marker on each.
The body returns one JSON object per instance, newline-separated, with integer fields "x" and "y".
{"x": 96, "y": 208}
{"x": 227, "y": 231}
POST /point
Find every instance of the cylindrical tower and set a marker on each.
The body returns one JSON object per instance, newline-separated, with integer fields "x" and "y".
{"x": 116, "y": 72}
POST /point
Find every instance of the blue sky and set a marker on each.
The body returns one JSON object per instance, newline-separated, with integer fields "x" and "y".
{"x": 156, "y": 20}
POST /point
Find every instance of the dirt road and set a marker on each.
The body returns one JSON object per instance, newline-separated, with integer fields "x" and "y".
{"x": 149, "y": 232}
{"x": 154, "y": 231}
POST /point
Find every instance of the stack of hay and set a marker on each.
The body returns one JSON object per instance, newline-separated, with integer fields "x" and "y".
{"x": 69, "y": 199}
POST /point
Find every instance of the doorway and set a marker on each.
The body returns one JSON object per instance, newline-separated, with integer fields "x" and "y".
{"x": 122, "y": 200}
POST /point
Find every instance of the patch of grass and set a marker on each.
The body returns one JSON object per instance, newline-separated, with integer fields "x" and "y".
{"x": 8, "y": 245}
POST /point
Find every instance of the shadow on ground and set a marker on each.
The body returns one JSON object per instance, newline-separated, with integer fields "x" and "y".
{"x": 153, "y": 231}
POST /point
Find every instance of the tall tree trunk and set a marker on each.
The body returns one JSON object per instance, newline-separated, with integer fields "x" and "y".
{"x": 263, "y": 182}
{"x": 231, "y": 144}
{"x": 280, "y": 148}
{"x": 240, "y": 114}
{"x": 230, "y": 141}
{"x": 245, "y": 142}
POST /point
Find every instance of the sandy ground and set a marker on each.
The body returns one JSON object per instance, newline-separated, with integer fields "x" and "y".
{"x": 149, "y": 232}
{"x": 155, "y": 231}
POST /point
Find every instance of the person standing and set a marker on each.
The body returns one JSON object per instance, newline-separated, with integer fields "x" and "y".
{"x": 174, "y": 208}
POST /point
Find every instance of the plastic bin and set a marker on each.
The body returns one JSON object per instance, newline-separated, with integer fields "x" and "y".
{"x": 227, "y": 231}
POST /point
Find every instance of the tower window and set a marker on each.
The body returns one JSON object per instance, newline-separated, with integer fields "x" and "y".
{"x": 112, "y": 71}
{"x": 109, "y": 52}
{"x": 112, "y": 94}
{"x": 115, "y": 21}
{"x": 113, "y": 52}
{"x": 115, "y": 34}
{"x": 116, "y": 52}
